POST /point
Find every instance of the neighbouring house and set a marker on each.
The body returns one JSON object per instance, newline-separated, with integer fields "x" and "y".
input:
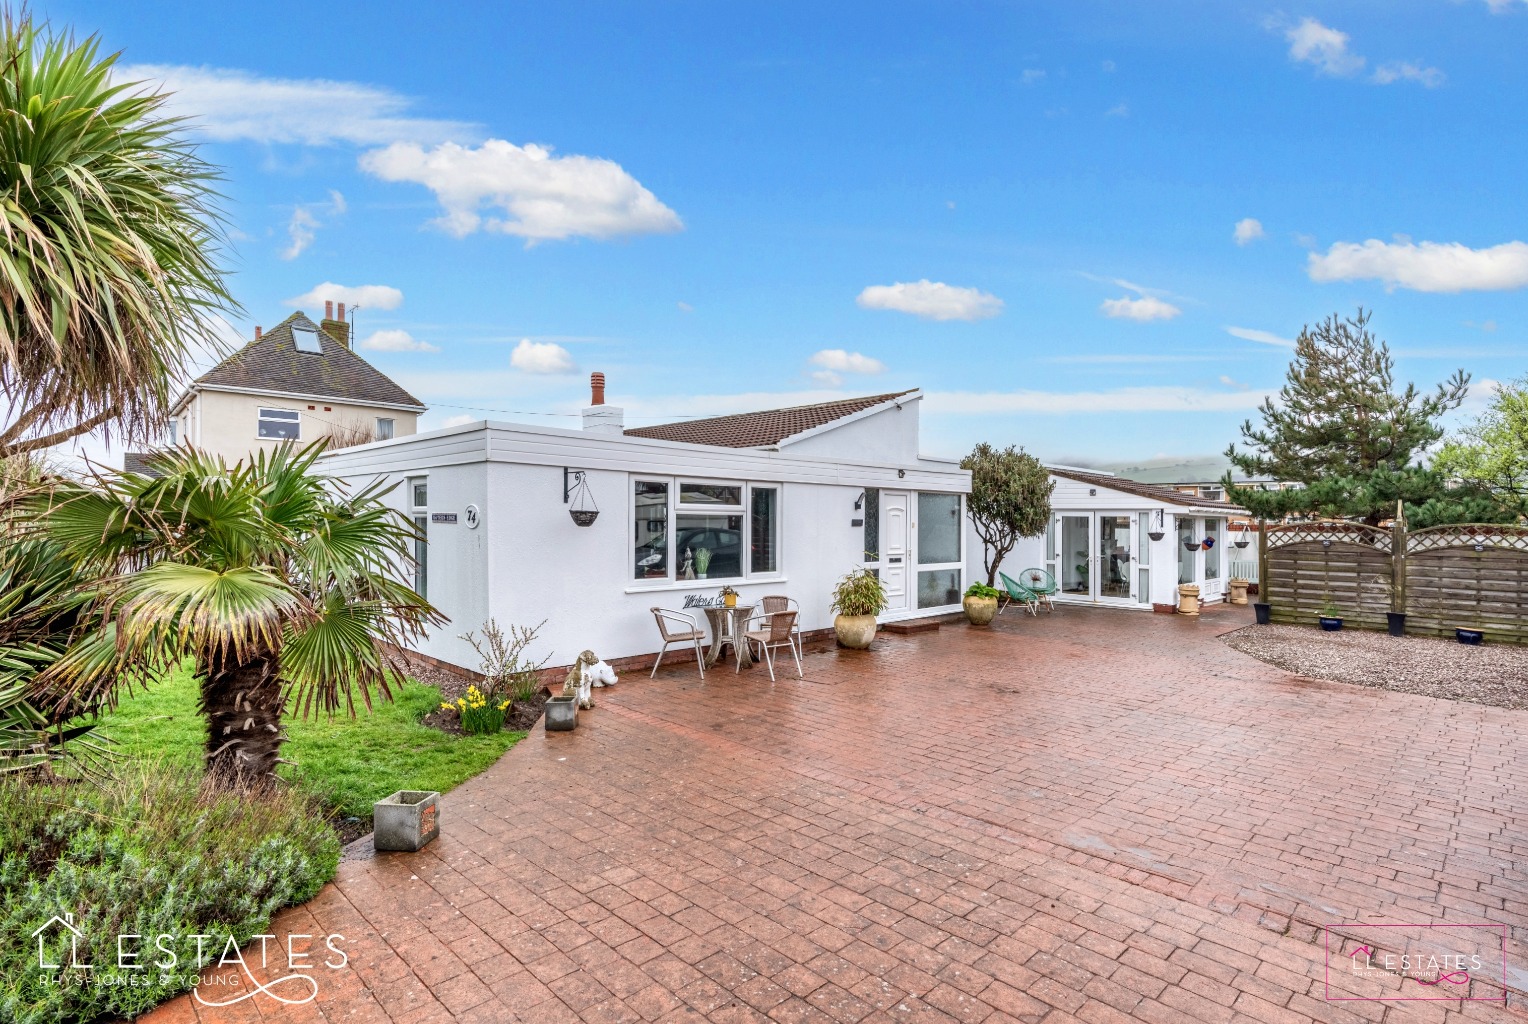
{"x": 1100, "y": 547}
{"x": 299, "y": 381}
{"x": 784, "y": 501}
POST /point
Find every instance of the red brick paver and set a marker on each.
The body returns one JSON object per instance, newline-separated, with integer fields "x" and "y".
{"x": 1092, "y": 816}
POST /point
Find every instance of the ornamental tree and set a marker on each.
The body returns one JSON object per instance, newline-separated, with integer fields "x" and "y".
{"x": 1339, "y": 415}
{"x": 1492, "y": 450}
{"x": 1010, "y": 498}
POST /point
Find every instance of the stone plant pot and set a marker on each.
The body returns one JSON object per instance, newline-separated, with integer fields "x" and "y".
{"x": 980, "y": 611}
{"x": 561, "y": 713}
{"x": 406, "y": 821}
{"x": 1238, "y": 591}
{"x": 854, "y": 631}
{"x": 1188, "y": 599}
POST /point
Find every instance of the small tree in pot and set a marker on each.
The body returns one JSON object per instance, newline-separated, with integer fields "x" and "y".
{"x": 1010, "y": 498}
{"x": 858, "y": 599}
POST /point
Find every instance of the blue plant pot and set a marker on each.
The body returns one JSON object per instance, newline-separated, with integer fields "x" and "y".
{"x": 1471, "y": 637}
{"x": 1330, "y": 625}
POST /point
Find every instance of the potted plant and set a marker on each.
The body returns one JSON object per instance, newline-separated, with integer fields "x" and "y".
{"x": 702, "y": 562}
{"x": 858, "y": 599}
{"x": 1331, "y": 616}
{"x": 729, "y": 597}
{"x": 980, "y": 604}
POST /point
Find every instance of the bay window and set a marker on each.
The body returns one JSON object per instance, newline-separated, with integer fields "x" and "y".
{"x": 713, "y": 531}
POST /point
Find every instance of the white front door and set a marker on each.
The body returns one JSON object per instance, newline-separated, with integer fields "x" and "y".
{"x": 894, "y": 550}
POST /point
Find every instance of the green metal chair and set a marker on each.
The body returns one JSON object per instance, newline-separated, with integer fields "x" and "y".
{"x": 1042, "y": 584}
{"x": 1020, "y": 593}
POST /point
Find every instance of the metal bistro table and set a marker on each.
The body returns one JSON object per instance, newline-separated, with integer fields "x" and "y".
{"x": 727, "y": 628}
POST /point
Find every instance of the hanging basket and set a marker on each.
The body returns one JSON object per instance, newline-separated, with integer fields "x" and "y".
{"x": 1190, "y": 545}
{"x": 1209, "y": 542}
{"x": 1156, "y": 534}
{"x": 1241, "y": 543}
{"x": 582, "y": 506}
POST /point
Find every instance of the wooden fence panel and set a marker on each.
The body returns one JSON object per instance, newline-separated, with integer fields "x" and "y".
{"x": 1461, "y": 588}
{"x": 1304, "y": 575}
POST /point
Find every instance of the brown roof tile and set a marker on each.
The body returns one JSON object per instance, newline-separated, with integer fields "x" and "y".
{"x": 759, "y": 429}
{"x": 270, "y": 363}
{"x": 1153, "y": 491}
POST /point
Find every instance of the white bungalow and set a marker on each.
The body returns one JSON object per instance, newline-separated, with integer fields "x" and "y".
{"x": 782, "y": 502}
{"x": 1117, "y": 543}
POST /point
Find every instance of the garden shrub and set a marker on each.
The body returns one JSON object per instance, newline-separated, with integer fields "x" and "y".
{"x": 150, "y": 852}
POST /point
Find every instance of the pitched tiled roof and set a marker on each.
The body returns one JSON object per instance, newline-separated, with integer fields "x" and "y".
{"x": 270, "y": 363}
{"x": 757, "y": 429}
{"x": 139, "y": 462}
{"x": 1152, "y": 491}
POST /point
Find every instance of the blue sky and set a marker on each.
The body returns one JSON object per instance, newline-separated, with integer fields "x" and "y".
{"x": 1046, "y": 215}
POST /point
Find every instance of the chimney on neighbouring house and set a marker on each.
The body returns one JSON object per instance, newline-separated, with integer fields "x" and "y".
{"x": 600, "y": 418}
{"x": 335, "y": 326}
{"x": 257, "y": 332}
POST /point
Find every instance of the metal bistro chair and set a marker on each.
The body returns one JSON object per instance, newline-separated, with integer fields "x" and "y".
{"x": 679, "y": 628}
{"x": 775, "y": 634}
{"x": 1043, "y": 585}
{"x": 1020, "y": 593}
{"x": 771, "y": 603}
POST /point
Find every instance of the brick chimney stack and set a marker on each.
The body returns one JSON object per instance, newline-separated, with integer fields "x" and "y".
{"x": 600, "y": 418}
{"x": 336, "y": 326}
{"x": 257, "y": 332}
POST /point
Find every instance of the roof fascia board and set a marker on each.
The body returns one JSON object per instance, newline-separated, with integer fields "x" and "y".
{"x": 269, "y": 393}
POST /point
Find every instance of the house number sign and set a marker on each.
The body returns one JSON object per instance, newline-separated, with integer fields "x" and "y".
{"x": 473, "y": 517}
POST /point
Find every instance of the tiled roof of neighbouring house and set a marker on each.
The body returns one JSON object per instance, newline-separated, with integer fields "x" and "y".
{"x": 140, "y": 463}
{"x": 757, "y": 429}
{"x": 1153, "y": 491}
{"x": 270, "y": 363}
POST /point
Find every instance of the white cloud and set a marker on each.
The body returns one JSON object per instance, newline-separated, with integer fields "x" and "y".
{"x": 1409, "y": 71}
{"x": 1142, "y": 310}
{"x": 827, "y": 378}
{"x": 396, "y": 341}
{"x": 1501, "y": 6}
{"x": 932, "y": 300}
{"x": 1424, "y": 266}
{"x": 367, "y": 296}
{"x": 840, "y": 361}
{"x": 1248, "y": 229}
{"x": 529, "y": 192}
{"x": 1118, "y": 400}
{"x": 1032, "y": 75}
{"x": 460, "y": 420}
{"x": 685, "y": 307}
{"x": 304, "y": 224}
{"x": 1118, "y": 110}
{"x": 1264, "y": 337}
{"x": 540, "y": 357}
{"x": 1311, "y": 42}
{"x": 228, "y": 104}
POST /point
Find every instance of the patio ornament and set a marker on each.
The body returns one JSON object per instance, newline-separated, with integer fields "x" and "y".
{"x": 1238, "y": 591}
{"x": 406, "y": 821}
{"x": 1188, "y": 599}
{"x": 575, "y": 492}
{"x": 583, "y": 675}
{"x": 1156, "y": 531}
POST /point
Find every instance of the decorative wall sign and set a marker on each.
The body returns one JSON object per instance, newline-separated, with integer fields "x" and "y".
{"x": 442, "y": 517}
{"x": 473, "y": 517}
{"x": 698, "y": 601}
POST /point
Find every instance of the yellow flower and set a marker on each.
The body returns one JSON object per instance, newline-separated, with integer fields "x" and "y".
{"x": 504, "y": 706}
{"x": 447, "y": 707}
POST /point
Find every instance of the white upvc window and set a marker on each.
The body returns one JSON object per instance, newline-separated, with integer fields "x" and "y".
{"x": 280, "y": 425}
{"x": 384, "y": 428}
{"x": 941, "y": 558}
{"x": 419, "y": 500}
{"x": 689, "y": 529}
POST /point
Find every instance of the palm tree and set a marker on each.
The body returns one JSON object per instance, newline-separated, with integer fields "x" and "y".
{"x": 109, "y": 227}
{"x": 282, "y": 587}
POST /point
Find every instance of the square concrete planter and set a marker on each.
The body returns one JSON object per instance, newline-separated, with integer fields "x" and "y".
{"x": 405, "y": 821}
{"x": 561, "y": 714}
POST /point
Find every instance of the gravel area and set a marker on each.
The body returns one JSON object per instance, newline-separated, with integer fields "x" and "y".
{"x": 1495, "y": 674}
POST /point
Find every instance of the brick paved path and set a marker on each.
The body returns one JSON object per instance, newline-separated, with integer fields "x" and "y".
{"x": 1092, "y": 816}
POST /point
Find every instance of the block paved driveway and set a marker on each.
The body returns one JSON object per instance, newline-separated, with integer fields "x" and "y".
{"x": 1092, "y": 816}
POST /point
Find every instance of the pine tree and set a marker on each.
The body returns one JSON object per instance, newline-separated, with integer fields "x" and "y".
{"x": 1340, "y": 418}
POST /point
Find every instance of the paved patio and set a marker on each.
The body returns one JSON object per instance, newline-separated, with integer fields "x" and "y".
{"x": 1094, "y": 816}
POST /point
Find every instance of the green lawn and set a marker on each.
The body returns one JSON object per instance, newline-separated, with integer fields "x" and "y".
{"x": 347, "y": 762}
